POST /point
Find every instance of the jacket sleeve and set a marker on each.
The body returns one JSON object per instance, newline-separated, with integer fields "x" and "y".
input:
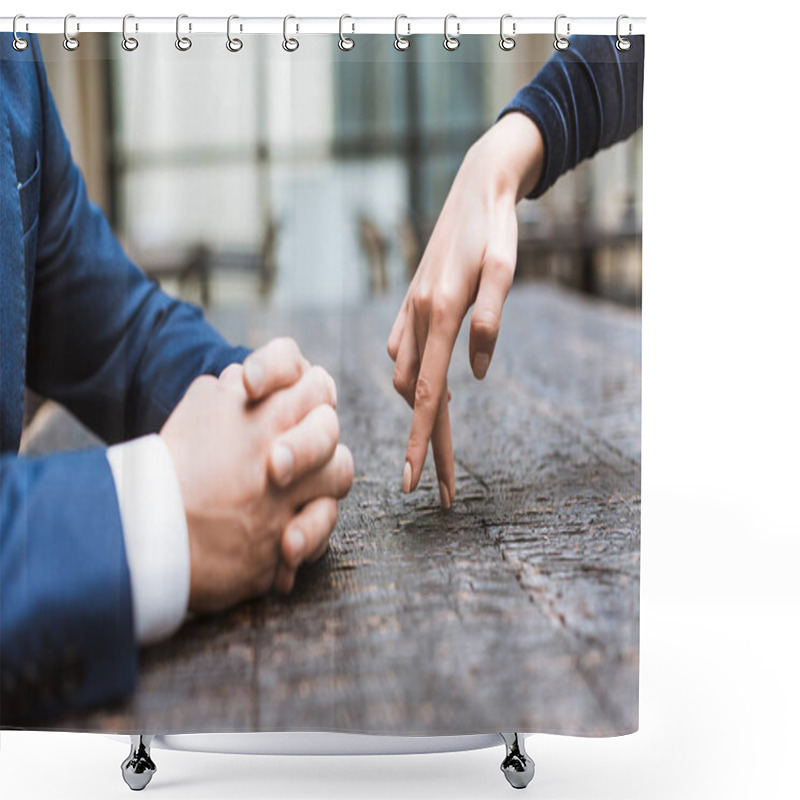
{"x": 108, "y": 344}
{"x": 66, "y": 623}
{"x": 104, "y": 340}
{"x": 585, "y": 98}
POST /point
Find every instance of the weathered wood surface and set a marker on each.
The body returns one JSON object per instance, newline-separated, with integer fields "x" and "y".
{"x": 517, "y": 610}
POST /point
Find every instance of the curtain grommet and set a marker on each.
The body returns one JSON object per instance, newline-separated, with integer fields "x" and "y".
{"x": 19, "y": 44}
{"x": 129, "y": 43}
{"x": 507, "y": 42}
{"x": 183, "y": 43}
{"x": 561, "y": 42}
{"x": 451, "y": 42}
{"x": 289, "y": 44}
{"x": 345, "y": 42}
{"x": 623, "y": 44}
{"x": 401, "y": 43}
{"x": 70, "y": 43}
{"x": 233, "y": 44}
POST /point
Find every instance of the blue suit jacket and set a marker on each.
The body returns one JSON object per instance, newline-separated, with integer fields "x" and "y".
{"x": 81, "y": 324}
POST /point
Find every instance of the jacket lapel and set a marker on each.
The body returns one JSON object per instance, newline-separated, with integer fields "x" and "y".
{"x": 12, "y": 289}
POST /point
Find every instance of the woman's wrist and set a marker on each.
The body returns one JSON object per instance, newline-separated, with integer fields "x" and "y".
{"x": 513, "y": 151}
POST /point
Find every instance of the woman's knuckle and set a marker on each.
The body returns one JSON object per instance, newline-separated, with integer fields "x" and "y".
{"x": 485, "y": 322}
{"x": 415, "y": 443}
{"x": 421, "y": 301}
{"x": 501, "y": 266}
{"x": 402, "y": 381}
{"x": 442, "y": 307}
{"x": 423, "y": 394}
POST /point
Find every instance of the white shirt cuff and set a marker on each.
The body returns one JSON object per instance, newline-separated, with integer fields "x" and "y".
{"x": 155, "y": 533}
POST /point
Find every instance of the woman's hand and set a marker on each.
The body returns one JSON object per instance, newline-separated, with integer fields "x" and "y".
{"x": 470, "y": 258}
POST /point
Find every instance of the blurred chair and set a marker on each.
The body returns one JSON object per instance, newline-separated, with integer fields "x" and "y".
{"x": 182, "y": 263}
{"x": 376, "y": 247}
{"x": 268, "y": 264}
{"x": 410, "y": 247}
{"x": 196, "y": 263}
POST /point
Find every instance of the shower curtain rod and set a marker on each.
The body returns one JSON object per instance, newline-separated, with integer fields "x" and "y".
{"x": 349, "y": 25}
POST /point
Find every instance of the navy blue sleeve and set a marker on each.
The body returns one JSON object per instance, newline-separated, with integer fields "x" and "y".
{"x": 67, "y": 641}
{"x": 104, "y": 340}
{"x": 585, "y": 98}
{"x": 107, "y": 343}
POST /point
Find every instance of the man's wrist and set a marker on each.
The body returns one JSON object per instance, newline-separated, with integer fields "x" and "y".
{"x": 155, "y": 533}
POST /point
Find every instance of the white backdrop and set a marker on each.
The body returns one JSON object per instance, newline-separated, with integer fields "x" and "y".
{"x": 720, "y": 536}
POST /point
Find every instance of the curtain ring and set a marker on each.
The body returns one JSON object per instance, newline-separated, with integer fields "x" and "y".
{"x": 19, "y": 43}
{"x": 183, "y": 43}
{"x": 288, "y": 44}
{"x": 507, "y": 42}
{"x": 129, "y": 43}
{"x": 400, "y": 42}
{"x": 622, "y": 43}
{"x": 451, "y": 42}
{"x": 561, "y": 42}
{"x": 70, "y": 42}
{"x": 345, "y": 42}
{"x": 233, "y": 44}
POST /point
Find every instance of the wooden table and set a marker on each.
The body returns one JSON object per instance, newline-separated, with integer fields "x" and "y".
{"x": 516, "y": 610}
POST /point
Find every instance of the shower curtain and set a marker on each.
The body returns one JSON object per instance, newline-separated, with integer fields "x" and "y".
{"x": 355, "y": 197}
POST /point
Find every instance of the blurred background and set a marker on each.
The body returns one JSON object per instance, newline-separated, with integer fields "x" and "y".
{"x": 263, "y": 181}
{"x": 263, "y": 178}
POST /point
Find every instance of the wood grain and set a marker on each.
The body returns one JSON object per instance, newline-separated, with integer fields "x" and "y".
{"x": 516, "y": 610}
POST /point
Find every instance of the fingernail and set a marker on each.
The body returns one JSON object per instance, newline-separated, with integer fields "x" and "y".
{"x": 407, "y": 477}
{"x": 282, "y": 463}
{"x": 254, "y": 373}
{"x": 480, "y": 365}
{"x": 297, "y": 543}
{"x": 444, "y": 495}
